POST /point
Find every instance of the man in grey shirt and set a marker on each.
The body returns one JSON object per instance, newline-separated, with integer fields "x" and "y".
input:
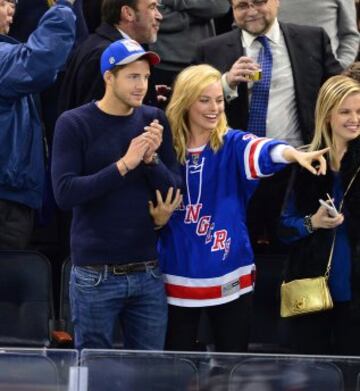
{"x": 337, "y": 17}
{"x": 185, "y": 23}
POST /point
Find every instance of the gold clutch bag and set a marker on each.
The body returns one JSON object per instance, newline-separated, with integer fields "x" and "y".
{"x": 308, "y": 295}
{"x": 304, "y": 296}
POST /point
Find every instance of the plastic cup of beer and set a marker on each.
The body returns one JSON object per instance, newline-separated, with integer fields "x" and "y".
{"x": 256, "y": 59}
{"x": 256, "y": 75}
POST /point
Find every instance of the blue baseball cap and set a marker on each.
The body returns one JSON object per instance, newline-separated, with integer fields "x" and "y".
{"x": 125, "y": 51}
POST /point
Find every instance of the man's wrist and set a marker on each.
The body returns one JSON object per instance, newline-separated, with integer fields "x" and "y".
{"x": 230, "y": 93}
{"x": 122, "y": 167}
{"x": 153, "y": 160}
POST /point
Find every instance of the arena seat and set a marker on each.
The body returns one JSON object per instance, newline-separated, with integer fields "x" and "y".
{"x": 283, "y": 374}
{"x": 26, "y": 299}
{"x": 126, "y": 371}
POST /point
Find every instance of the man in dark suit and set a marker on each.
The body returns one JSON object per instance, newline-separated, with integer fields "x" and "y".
{"x": 307, "y": 48}
{"x": 135, "y": 19}
{"x": 302, "y": 61}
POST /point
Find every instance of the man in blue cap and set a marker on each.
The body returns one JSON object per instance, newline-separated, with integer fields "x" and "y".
{"x": 109, "y": 157}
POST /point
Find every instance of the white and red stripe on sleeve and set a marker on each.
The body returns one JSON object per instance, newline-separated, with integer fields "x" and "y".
{"x": 251, "y": 158}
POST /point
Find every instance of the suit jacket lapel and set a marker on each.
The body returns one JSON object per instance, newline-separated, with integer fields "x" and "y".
{"x": 243, "y": 90}
{"x": 235, "y": 48}
{"x": 291, "y": 42}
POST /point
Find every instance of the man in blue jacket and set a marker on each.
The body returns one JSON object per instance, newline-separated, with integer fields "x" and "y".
{"x": 25, "y": 70}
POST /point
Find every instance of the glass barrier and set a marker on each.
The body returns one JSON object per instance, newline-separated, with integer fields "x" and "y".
{"x": 38, "y": 369}
{"x": 120, "y": 370}
{"x": 115, "y": 370}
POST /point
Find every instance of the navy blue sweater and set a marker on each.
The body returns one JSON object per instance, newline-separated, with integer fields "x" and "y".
{"x": 111, "y": 221}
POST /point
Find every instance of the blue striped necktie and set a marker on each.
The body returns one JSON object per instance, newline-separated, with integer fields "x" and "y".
{"x": 260, "y": 91}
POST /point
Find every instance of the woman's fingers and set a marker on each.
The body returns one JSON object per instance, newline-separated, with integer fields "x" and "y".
{"x": 319, "y": 156}
{"x": 177, "y": 200}
{"x": 309, "y": 167}
{"x": 159, "y": 199}
{"x": 151, "y": 208}
{"x": 169, "y": 195}
{"x": 322, "y": 168}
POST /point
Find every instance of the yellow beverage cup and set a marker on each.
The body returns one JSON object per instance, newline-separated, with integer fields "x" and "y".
{"x": 256, "y": 75}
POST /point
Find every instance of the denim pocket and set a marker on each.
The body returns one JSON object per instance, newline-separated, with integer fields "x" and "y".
{"x": 85, "y": 278}
{"x": 156, "y": 273}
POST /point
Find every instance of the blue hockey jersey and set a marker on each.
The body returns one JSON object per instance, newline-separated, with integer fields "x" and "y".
{"x": 205, "y": 251}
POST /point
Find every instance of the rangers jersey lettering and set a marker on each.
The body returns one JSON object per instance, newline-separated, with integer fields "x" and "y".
{"x": 205, "y": 251}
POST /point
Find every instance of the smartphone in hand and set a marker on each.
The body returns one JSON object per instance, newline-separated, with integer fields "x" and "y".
{"x": 331, "y": 209}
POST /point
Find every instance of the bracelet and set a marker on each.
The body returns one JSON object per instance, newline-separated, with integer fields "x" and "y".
{"x": 308, "y": 224}
{"x": 126, "y": 167}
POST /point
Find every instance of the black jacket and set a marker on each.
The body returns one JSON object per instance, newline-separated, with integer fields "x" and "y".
{"x": 309, "y": 256}
{"x": 83, "y": 81}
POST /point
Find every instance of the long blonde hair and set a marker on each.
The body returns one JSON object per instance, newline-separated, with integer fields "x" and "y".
{"x": 331, "y": 95}
{"x": 50, "y": 2}
{"x": 189, "y": 85}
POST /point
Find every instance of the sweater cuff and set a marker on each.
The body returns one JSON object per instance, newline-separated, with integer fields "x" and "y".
{"x": 276, "y": 153}
{"x": 111, "y": 175}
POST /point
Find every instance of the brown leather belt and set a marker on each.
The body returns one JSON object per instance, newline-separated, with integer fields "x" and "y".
{"x": 126, "y": 268}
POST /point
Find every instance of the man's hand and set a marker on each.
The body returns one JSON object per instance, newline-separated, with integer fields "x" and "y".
{"x": 163, "y": 210}
{"x": 134, "y": 155}
{"x": 241, "y": 71}
{"x": 153, "y": 136}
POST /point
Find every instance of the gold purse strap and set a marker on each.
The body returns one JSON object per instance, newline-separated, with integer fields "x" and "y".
{"x": 334, "y": 237}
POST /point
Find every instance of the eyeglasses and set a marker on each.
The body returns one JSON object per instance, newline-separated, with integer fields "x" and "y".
{"x": 244, "y": 6}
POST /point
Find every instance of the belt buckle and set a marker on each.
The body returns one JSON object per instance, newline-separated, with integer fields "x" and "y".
{"x": 119, "y": 270}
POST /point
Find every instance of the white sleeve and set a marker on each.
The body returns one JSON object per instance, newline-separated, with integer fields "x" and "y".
{"x": 276, "y": 153}
{"x": 229, "y": 93}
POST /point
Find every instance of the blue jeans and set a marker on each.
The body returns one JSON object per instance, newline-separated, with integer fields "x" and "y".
{"x": 99, "y": 299}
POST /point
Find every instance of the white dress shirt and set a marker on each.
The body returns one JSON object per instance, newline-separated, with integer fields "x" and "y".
{"x": 282, "y": 120}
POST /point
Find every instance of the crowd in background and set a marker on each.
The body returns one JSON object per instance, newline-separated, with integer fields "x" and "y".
{"x": 298, "y": 44}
